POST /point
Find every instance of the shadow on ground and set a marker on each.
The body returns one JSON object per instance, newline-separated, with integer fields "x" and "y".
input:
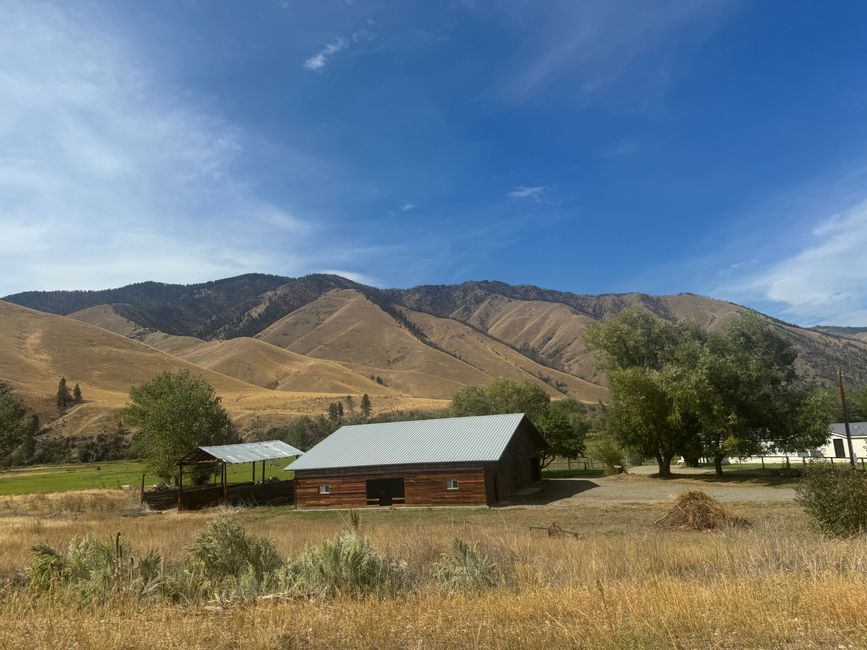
{"x": 553, "y": 490}
{"x": 770, "y": 478}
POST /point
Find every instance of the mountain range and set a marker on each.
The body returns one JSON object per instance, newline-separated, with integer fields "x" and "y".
{"x": 276, "y": 346}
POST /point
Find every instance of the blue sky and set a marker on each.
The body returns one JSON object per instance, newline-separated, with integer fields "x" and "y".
{"x": 598, "y": 146}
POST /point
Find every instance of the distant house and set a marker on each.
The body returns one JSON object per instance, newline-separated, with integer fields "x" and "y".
{"x": 450, "y": 461}
{"x": 837, "y": 446}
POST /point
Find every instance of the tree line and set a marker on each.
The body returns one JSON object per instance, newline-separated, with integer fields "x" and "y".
{"x": 677, "y": 390}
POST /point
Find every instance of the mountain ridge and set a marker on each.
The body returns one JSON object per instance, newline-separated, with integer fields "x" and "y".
{"x": 543, "y": 326}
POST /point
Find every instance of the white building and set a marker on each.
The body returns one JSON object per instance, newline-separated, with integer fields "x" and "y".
{"x": 837, "y": 445}
{"x": 834, "y": 447}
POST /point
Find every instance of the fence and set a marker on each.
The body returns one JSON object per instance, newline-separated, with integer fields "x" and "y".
{"x": 789, "y": 461}
{"x": 248, "y": 494}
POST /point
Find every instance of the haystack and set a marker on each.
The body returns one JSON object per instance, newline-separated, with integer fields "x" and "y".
{"x": 695, "y": 510}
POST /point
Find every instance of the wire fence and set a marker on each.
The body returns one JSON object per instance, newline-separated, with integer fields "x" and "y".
{"x": 764, "y": 462}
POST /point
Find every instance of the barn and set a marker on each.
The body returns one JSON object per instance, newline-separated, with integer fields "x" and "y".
{"x": 444, "y": 462}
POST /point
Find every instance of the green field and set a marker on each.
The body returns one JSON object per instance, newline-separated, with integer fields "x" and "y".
{"x": 113, "y": 474}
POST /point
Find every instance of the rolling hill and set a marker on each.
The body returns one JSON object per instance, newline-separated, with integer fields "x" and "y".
{"x": 289, "y": 342}
{"x": 37, "y": 348}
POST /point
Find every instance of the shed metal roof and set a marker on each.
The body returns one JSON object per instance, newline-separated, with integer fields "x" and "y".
{"x": 858, "y": 429}
{"x": 247, "y": 452}
{"x": 447, "y": 440}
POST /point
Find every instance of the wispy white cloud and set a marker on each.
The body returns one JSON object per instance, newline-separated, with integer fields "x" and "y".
{"x": 593, "y": 42}
{"x": 823, "y": 280}
{"x": 625, "y": 147}
{"x": 531, "y": 192}
{"x": 406, "y": 207}
{"x": 108, "y": 177}
{"x": 319, "y": 60}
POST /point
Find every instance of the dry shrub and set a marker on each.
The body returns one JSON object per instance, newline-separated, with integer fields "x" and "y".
{"x": 466, "y": 569}
{"x": 836, "y": 497}
{"x": 347, "y": 566}
{"x": 225, "y": 550}
{"x": 695, "y": 510}
{"x": 90, "y": 570}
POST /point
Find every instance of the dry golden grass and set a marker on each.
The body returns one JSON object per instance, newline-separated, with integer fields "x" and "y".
{"x": 623, "y": 583}
{"x": 499, "y": 360}
{"x": 343, "y": 325}
{"x": 36, "y": 349}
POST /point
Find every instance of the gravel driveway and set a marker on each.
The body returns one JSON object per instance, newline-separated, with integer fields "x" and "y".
{"x": 637, "y": 488}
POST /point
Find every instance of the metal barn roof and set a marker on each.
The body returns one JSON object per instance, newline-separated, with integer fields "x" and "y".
{"x": 247, "y": 452}
{"x": 858, "y": 429}
{"x": 447, "y": 440}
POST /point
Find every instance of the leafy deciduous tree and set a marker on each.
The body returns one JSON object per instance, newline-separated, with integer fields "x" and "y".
{"x": 174, "y": 413}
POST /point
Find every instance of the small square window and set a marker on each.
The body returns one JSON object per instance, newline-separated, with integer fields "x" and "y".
{"x": 325, "y": 489}
{"x": 452, "y": 484}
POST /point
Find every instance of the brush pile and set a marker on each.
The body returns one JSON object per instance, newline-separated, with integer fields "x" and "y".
{"x": 695, "y": 510}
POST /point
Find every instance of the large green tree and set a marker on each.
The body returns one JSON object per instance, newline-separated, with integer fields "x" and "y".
{"x": 17, "y": 429}
{"x": 563, "y": 423}
{"x": 638, "y": 349}
{"x": 740, "y": 386}
{"x": 642, "y": 416}
{"x": 173, "y": 414}
{"x": 733, "y": 392}
{"x": 501, "y": 396}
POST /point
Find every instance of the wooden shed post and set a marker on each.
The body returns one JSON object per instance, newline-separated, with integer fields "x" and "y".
{"x": 180, "y": 483}
{"x": 263, "y": 471}
{"x": 225, "y": 487}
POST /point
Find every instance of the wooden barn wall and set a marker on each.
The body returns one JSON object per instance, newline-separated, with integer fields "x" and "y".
{"x": 514, "y": 471}
{"x": 422, "y": 487}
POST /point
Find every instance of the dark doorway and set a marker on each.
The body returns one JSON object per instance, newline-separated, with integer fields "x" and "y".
{"x": 496, "y": 487}
{"x": 839, "y": 450}
{"x": 535, "y": 470}
{"x": 384, "y": 491}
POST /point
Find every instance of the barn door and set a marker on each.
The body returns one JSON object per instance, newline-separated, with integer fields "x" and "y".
{"x": 535, "y": 469}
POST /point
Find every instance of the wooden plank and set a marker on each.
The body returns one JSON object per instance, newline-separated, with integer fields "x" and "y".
{"x": 422, "y": 487}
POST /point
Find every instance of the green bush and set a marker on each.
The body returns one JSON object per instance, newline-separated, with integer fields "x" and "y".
{"x": 225, "y": 550}
{"x": 836, "y": 497}
{"x": 606, "y": 450}
{"x": 93, "y": 570}
{"x": 346, "y": 566}
{"x": 466, "y": 569}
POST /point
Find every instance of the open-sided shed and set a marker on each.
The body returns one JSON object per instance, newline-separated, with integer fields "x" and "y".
{"x": 220, "y": 457}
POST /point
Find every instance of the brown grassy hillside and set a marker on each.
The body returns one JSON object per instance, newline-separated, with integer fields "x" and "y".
{"x": 36, "y": 349}
{"x": 107, "y": 317}
{"x": 343, "y": 325}
{"x": 266, "y": 365}
{"x": 496, "y": 359}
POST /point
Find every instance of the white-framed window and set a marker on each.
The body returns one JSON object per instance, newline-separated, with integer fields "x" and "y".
{"x": 324, "y": 488}
{"x": 453, "y": 484}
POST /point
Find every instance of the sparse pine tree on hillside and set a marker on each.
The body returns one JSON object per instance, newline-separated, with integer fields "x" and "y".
{"x": 76, "y": 394}
{"x": 63, "y": 396}
{"x": 333, "y": 415}
{"x": 339, "y": 411}
{"x": 350, "y": 404}
{"x": 366, "y": 406}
